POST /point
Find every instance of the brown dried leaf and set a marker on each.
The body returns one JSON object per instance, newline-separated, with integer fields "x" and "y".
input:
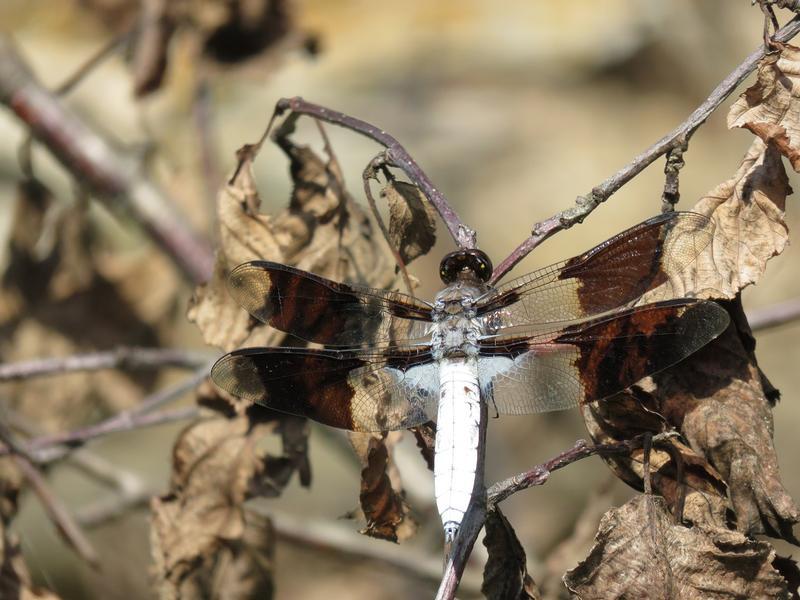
{"x": 770, "y": 108}
{"x": 216, "y": 467}
{"x": 425, "y": 435}
{"x": 505, "y": 576}
{"x": 412, "y": 220}
{"x": 748, "y": 214}
{"x": 788, "y": 568}
{"x": 640, "y": 552}
{"x": 719, "y": 402}
{"x": 382, "y": 497}
{"x": 240, "y": 569}
{"x": 676, "y": 471}
{"x": 322, "y": 231}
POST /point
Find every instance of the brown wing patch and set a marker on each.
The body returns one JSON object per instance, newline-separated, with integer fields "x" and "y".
{"x": 323, "y": 311}
{"x": 347, "y": 389}
{"x": 614, "y": 353}
{"x": 546, "y": 371}
{"x": 612, "y": 275}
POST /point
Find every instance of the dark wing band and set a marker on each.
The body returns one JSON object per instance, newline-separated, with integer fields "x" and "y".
{"x": 349, "y": 389}
{"x": 595, "y": 359}
{"x": 326, "y": 312}
{"x": 613, "y": 275}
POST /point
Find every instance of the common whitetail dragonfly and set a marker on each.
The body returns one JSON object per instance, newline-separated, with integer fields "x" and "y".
{"x": 562, "y": 336}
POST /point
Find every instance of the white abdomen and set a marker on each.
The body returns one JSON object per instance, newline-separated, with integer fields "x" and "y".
{"x": 457, "y": 438}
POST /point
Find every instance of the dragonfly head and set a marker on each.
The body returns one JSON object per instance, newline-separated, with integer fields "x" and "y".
{"x": 465, "y": 264}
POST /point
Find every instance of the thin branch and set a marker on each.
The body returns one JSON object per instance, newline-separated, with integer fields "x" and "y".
{"x": 113, "y": 177}
{"x": 120, "y": 358}
{"x": 538, "y": 475}
{"x": 93, "y": 465}
{"x": 395, "y": 154}
{"x": 53, "y": 506}
{"x": 48, "y": 447}
{"x": 91, "y": 63}
{"x": 775, "y": 315}
{"x": 584, "y": 205}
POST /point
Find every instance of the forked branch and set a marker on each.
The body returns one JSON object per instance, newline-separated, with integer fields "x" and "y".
{"x": 677, "y": 138}
{"x": 395, "y": 155}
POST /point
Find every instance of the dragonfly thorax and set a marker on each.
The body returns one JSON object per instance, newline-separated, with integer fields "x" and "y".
{"x": 456, "y": 327}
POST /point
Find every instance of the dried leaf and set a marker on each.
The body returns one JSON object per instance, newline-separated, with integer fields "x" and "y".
{"x": 201, "y": 525}
{"x": 640, "y": 552}
{"x": 505, "y": 576}
{"x": 382, "y": 497}
{"x": 719, "y": 401}
{"x": 748, "y": 214}
{"x": 770, "y": 108}
{"x": 322, "y": 231}
{"x": 677, "y": 472}
{"x": 240, "y": 569}
{"x": 787, "y": 566}
{"x": 425, "y": 435}
{"x": 412, "y": 220}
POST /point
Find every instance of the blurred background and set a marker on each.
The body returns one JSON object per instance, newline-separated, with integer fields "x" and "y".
{"x": 513, "y": 110}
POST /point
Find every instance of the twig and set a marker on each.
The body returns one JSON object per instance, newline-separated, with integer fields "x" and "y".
{"x": 120, "y": 358}
{"x": 476, "y": 515}
{"x": 83, "y": 70}
{"x": 44, "y": 448}
{"x": 395, "y": 154}
{"x": 55, "y": 509}
{"x": 584, "y": 205}
{"x": 112, "y": 176}
{"x": 93, "y": 465}
{"x": 775, "y": 315}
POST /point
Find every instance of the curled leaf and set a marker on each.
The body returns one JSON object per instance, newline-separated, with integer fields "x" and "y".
{"x": 640, "y": 552}
{"x": 382, "y": 497}
{"x": 770, "y": 108}
{"x": 412, "y": 221}
{"x": 322, "y": 231}
{"x": 201, "y": 534}
{"x": 720, "y": 402}
{"x": 505, "y": 576}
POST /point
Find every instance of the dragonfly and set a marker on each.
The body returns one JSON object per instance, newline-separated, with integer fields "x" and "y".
{"x": 569, "y": 334}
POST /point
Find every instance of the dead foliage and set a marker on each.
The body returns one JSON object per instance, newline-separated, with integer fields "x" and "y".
{"x": 724, "y": 482}
{"x": 322, "y": 231}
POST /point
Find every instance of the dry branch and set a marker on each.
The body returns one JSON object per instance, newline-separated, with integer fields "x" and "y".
{"x": 677, "y": 138}
{"x": 50, "y": 447}
{"x": 120, "y": 358}
{"x": 394, "y": 155}
{"x": 115, "y": 178}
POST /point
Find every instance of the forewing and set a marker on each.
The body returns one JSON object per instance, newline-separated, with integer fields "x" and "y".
{"x": 326, "y": 312}
{"x": 615, "y": 274}
{"x": 349, "y": 389}
{"x": 592, "y": 360}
